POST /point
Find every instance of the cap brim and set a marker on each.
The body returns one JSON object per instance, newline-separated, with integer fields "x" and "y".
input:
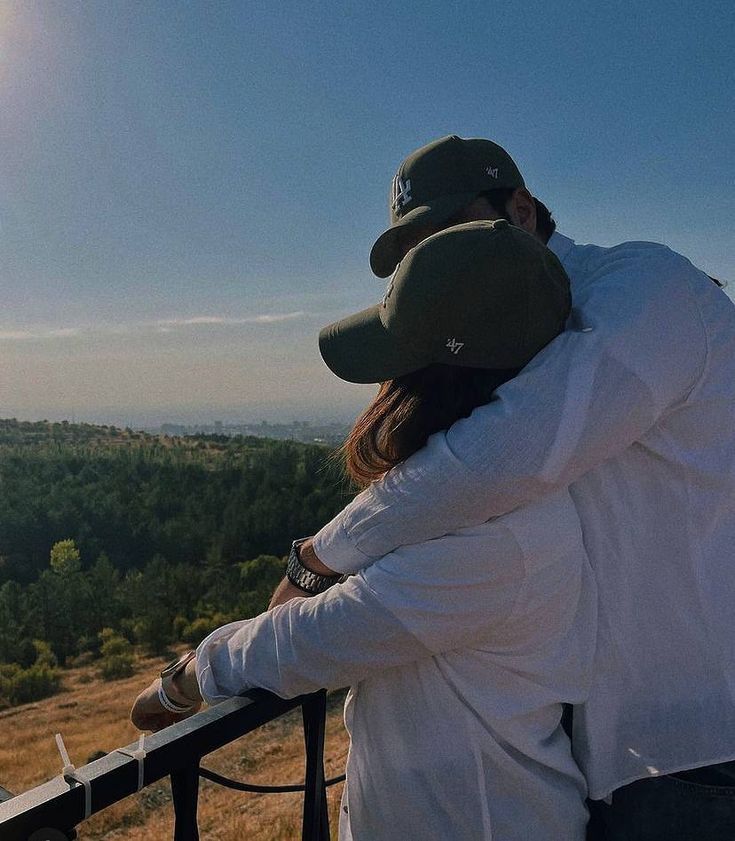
{"x": 386, "y": 252}
{"x": 360, "y": 350}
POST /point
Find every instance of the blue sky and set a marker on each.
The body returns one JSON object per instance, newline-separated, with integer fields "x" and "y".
{"x": 189, "y": 191}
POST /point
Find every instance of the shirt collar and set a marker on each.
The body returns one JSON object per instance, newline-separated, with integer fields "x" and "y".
{"x": 560, "y": 245}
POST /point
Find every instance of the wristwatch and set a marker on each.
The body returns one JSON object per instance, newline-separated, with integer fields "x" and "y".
{"x": 168, "y": 673}
{"x": 302, "y": 577}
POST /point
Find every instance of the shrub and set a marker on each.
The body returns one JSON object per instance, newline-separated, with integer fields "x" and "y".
{"x": 116, "y": 667}
{"x": 35, "y": 683}
{"x": 44, "y": 656}
{"x": 117, "y": 655}
{"x": 25, "y": 654}
{"x": 127, "y": 629}
{"x": 179, "y": 624}
{"x": 20, "y": 686}
{"x": 196, "y": 631}
{"x": 153, "y": 633}
{"x": 89, "y": 644}
{"x": 86, "y": 658}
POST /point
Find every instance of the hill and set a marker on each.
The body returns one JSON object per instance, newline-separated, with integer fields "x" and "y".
{"x": 111, "y": 538}
{"x": 273, "y": 754}
{"x": 135, "y": 496}
{"x": 157, "y": 539}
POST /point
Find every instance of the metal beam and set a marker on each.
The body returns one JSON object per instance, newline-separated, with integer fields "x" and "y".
{"x": 60, "y": 805}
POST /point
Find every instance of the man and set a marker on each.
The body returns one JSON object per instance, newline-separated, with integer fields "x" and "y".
{"x": 633, "y": 407}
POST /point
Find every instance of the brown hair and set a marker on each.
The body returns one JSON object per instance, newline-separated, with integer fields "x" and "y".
{"x": 407, "y": 410}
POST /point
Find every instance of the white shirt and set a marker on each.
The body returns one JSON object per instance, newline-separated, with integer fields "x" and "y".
{"x": 634, "y": 405}
{"x": 460, "y": 652}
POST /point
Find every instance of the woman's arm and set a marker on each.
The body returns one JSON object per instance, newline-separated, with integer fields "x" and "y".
{"x": 418, "y": 601}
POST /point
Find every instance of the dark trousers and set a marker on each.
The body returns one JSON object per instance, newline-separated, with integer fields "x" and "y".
{"x": 696, "y": 805}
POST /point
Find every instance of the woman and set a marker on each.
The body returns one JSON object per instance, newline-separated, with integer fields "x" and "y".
{"x": 457, "y": 679}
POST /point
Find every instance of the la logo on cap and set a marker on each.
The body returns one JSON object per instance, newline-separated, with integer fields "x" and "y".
{"x": 400, "y": 193}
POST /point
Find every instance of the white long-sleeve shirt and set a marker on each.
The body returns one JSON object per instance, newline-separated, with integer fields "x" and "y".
{"x": 460, "y": 652}
{"x": 634, "y": 405}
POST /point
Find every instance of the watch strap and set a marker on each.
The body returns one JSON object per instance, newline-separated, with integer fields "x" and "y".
{"x": 166, "y": 685}
{"x": 312, "y": 583}
{"x": 170, "y": 705}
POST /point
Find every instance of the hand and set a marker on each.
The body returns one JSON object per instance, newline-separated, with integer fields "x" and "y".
{"x": 284, "y": 592}
{"x": 148, "y": 714}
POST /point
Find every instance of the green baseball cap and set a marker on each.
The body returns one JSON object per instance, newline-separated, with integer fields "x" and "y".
{"x": 434, "y": 183}
{"x": 479, "y": 295}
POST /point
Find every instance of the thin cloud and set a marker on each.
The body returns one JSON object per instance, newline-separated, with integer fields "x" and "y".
{"x": 48, "y": 333}
{"x": 164, "y": 325}
{"x": 266, "y": 318}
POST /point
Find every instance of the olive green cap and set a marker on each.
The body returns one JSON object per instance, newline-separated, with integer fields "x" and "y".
{"x": 434, "y": 183}
{"x": 479, "y": 295}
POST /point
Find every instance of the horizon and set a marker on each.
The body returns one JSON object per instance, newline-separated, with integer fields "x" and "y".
{"x": 189, "y": 193}
{"x": 138, "y": 420}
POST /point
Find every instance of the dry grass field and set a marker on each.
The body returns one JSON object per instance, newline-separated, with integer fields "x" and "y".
{"x": 93, "y": 716}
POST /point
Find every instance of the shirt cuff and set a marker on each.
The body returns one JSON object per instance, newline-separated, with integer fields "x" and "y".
{"x": 336, "y": 549}
{"x": 207, "y": 652}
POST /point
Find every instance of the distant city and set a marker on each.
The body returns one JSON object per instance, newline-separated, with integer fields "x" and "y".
{"x": 328, "y": 432}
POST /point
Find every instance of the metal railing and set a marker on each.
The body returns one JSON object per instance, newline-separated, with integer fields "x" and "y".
{"x": 53, "y": 810}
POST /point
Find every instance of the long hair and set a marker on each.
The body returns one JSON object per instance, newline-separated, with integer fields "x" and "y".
{"x": 407, "y": 410}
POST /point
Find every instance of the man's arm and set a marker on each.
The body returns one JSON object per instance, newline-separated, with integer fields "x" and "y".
{"x": 584, "y": 399}
{"x": 409, "y": 606}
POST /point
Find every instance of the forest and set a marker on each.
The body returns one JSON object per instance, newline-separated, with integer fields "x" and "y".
{"x": 112, "y": 538}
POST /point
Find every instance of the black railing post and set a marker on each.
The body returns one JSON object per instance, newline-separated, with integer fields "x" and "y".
{"x": 315, "y": 826}
{"x": 185, "y": 792}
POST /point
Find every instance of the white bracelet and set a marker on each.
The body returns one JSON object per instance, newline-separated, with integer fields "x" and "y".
{"x": 170, "y": 705}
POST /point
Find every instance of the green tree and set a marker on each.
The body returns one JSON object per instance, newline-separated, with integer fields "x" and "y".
{"x": 105, "y": 604}
{"x": 258, "y": 579}
{"x": 65, "y": 558}
{"x": 64, "y": 597}
{"x": 17, "y": 624}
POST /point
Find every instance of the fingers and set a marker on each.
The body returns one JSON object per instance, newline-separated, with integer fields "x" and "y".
{"x": 158, "y": 719}
{"x": 153, "y": 721}
{"x": 192, "y": 711}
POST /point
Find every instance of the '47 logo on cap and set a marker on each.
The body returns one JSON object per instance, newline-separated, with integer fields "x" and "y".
{"x": 454, "y": 345}
{"x": 400, "y": 193}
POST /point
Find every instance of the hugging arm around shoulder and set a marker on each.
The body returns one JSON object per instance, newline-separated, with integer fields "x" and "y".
{"x": 637, "y": 350}
{"x": 384, "y": 617}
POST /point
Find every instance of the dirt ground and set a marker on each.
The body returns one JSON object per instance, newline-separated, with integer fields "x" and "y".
{"x": 93, "y": 716}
